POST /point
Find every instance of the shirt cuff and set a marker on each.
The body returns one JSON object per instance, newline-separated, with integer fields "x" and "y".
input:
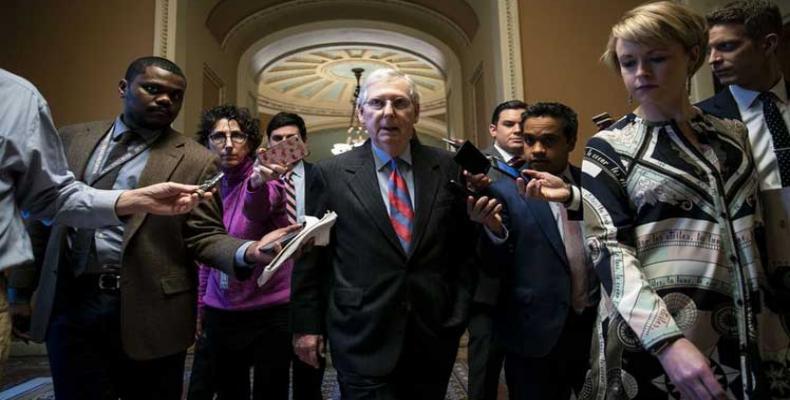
{"x": 493, "y": 236}
{"x": 104, "y": 206}
{"x": 240, "y": 262}
{"x": 576, "y": 199}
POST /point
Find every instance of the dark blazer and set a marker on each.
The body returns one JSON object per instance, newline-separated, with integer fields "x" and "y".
{"x": 535, "y": 288}
{"x": 158, "y": 273}
{"x": 363, "y": 291}
{"x": 723, "y": 104}
{"x": 487, "y": 290}
{"x": 492, "y": 173}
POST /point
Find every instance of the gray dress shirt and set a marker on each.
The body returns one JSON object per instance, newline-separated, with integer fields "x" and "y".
{"x": 109, "y": 239}
{"x": 34, "y": 176}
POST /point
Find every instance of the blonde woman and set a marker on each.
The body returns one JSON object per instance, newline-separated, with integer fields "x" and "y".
{"x": 670, "y": 210}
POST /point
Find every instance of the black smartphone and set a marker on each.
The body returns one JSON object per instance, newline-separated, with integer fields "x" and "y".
{"x": 460, "y": 189}
{"x": 211, "y": 182}
{"x": 268, "y": 248}
{"x": 471, "y": 159}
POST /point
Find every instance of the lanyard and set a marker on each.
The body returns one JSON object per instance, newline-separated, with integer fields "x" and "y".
{"x": 103, "y": 153}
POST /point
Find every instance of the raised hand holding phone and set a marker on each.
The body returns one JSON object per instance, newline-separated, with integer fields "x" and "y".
{"x": 287, "y": 152}
{"x": 264, "y": 171}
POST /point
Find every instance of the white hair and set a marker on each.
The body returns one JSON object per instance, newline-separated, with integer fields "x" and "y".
{"x": 387, "y": 75}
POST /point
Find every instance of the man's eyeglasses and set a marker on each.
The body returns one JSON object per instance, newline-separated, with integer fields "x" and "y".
{"x": 400, "y": 103}
{"x": 218, "y": 138}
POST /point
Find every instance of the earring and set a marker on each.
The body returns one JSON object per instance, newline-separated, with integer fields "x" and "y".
{"x": 630, "y": 99}
{"x": 688, "y": 85}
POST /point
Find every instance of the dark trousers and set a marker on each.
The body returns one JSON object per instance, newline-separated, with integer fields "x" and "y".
{"x": 420, "y": 374}
{"x": 235, "y": 341}
{"x": 486, "y": 356}
{"x": 553, "y": 376}
{"x": 85, "y": 353}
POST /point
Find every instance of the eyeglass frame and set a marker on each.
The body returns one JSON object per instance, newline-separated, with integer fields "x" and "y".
{"x": 398, "y": 103}
{"x": 214, "y": 138}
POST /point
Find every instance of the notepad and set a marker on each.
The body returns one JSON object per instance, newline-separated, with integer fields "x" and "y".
{"x": 314, "y": 228}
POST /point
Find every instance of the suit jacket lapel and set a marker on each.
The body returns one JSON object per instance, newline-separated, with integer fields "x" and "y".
{"x": 426, "y": 184}
{"x": 364, "y": 185}
{"x": 727, "y": 105}
{"x": 548, "y": 225}
{"x": 166, "y": 153}
{"x": 81, "y": 146}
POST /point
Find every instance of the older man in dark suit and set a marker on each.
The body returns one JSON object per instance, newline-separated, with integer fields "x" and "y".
{"x": 116, "y": 305}
{"x": 391, "y": 291}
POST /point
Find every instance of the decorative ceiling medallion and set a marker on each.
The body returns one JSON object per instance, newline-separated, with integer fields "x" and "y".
{"x": 319, "y": 80}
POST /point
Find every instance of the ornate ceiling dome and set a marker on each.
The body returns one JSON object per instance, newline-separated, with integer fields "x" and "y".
{"x": 319, "y": 80}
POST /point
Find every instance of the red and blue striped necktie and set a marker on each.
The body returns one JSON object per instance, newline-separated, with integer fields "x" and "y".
{"x": 401, "y": 211}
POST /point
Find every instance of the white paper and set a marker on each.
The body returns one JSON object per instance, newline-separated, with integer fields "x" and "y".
{"x": 314, "y": 228}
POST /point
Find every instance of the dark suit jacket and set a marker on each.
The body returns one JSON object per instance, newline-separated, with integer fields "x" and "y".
{"x": 534, "y": 298}
{"x": 487, "y": 290}
{"x": 723, "y": 105}
{"x": 492, "y": 173}
{"x": 158, "y": 274}
{"x": 363, "y": 290}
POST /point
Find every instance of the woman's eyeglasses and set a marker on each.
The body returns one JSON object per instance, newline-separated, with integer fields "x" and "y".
{"x": 218, "y": 138}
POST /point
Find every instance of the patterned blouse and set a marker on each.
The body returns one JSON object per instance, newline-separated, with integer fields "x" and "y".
{"x": 671, "y": 230}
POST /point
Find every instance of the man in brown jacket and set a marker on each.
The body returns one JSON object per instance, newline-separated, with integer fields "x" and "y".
{"x": 116, "y": 305}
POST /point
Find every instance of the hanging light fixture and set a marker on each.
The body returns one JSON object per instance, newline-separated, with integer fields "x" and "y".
{"x": 356, "y": 133}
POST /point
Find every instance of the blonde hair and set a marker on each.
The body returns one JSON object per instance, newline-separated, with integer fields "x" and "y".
{"x": 659, "y": 23}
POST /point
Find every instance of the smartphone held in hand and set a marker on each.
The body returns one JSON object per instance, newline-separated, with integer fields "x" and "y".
{"x": 286, "y": 152}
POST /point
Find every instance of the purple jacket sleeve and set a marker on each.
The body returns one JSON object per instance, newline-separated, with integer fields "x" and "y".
{"x": 265, "y": 202}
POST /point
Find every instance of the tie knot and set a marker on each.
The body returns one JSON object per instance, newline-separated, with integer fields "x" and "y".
{"x": 767, "y": 97}
{"x": 394, "y": 163}
{"x": 125, "y": 137}
{"x": 517, "y": 162}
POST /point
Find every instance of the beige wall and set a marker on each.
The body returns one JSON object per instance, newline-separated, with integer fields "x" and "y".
{"x": 561, "y": 41}
{"x": 479, "y": 72}
{"x": 196, "y": 50}
{"x": 75, "y": 52}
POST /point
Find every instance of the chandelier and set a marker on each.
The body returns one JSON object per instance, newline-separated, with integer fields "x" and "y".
{"x": 356, "y": 133}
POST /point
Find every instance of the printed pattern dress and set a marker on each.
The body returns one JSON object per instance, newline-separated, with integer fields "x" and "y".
{"x": 671, "y": 230}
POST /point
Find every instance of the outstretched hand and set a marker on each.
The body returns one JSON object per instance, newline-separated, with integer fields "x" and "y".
{"x": 477, "y": 182}
{"x": 543, "y": 186}
{"x": 166, "y": 198}
{"x": 254, "y": 253}
{"x": 265, "y": 172}
{"x": 486, "y": 211}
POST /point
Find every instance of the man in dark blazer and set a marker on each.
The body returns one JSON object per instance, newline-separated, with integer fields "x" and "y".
{"x": 485, "y": 358}
{"x": 282, "y": 126}
{"x": 116, "y": 306}
{"x": 392, "y": 290}
{"x": 743, "y": 39}
{"x": 306, "y": 379}
{"x": 545, "y": 314}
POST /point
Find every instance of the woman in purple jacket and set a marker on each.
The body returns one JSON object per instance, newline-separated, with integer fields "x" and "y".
{"x": 242, "y": 325}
